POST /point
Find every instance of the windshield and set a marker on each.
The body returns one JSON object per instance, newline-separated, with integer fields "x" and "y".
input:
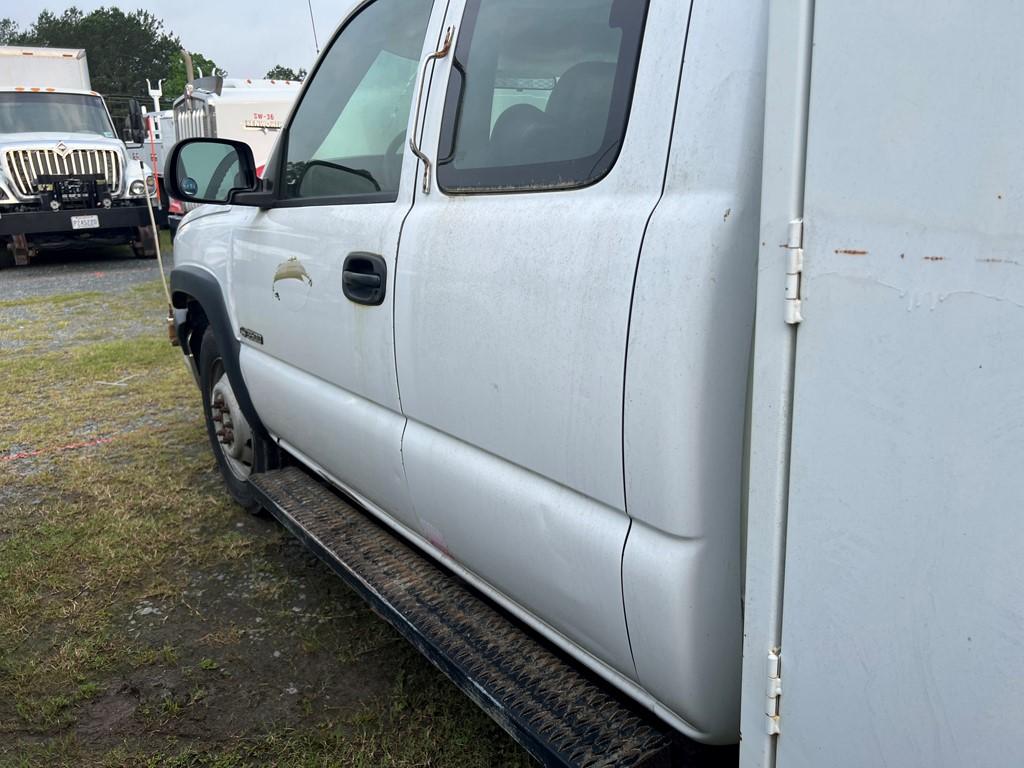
{"x": 53, "y": 113}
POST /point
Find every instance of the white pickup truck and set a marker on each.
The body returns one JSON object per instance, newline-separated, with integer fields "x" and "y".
{"x": 66, "y": 179}
{"x": 654, "y": 366}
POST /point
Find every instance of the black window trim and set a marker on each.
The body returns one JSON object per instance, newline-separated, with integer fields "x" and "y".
{"x": 280, "y": 156}
{"x": 452, "y": 114}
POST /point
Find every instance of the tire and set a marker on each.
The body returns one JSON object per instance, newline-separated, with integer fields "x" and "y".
{"x": 144, "y": 247}
{"x": 8, "y": 253}
{"x": 239, "y": 449}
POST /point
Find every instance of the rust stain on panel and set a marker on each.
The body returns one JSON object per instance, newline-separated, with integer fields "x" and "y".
{"x": 850, "y": 252}
{"x": 934, "y": 258}
{"x": 998, "y": 261}
{"x": 291, "y": 270}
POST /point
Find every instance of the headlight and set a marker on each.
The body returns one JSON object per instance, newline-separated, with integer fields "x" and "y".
{"x": 137, "y": 188}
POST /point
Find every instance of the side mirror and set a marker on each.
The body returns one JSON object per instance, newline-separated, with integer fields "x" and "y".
{"x": 136, "y": 123}
{"x": 210, "y": 170}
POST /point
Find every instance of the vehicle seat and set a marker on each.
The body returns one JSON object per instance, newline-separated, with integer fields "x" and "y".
{"x": 573, "y": 125}
{"x": 519, "y": 136}
{"x": 578, "y": 109}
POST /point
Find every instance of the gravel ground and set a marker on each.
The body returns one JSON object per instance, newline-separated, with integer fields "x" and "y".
{"x": 55, "y": 302}
{"x": 55, "y": 273}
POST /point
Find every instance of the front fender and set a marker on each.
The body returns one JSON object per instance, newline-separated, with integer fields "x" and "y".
{"x": 192, "y": 284}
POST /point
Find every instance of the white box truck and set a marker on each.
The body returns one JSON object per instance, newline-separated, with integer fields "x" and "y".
{"x": 672, "y": 402}
{"x": 66, "y": 179}
{"x": 58, "y": 67}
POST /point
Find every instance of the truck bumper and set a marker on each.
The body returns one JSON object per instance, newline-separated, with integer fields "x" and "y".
{"x": 54, "y": 222}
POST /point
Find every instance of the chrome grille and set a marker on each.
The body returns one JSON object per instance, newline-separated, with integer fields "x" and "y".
{"x": 27, "y": 165}
{"x": 194, "y": 119}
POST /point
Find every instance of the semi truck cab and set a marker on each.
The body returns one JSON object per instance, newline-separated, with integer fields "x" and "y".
{"x": 240, "y": 109}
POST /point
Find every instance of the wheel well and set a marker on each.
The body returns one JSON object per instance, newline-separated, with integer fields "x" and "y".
{"x": 196, "y": 323}
{"x": 198, "y": 294}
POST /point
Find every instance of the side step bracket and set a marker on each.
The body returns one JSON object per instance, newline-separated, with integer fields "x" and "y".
{"x": 557, "y": 712}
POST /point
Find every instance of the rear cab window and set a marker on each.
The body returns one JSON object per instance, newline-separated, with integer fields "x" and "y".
{"x": 539, "y": 94}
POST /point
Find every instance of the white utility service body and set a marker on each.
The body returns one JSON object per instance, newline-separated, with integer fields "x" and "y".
{"x": 734, "y": 424}
{"x": 160, "y": 137}
{"x": 66, "y": 179}
{"x": 884, "y": 549}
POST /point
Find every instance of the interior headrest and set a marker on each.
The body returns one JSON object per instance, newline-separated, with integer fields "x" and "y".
{"x": 584, "y": 88}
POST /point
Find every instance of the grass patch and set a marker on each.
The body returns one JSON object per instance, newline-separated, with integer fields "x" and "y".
{"x": 37, "y": 324}
{"x": 54, "y": 301}
{"x": 144, "y": 619}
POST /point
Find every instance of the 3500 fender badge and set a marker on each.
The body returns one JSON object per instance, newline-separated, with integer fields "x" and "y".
{"x": 252, "y": 336}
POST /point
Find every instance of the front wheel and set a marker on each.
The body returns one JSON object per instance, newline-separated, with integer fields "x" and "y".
{"x": 144, "y": 244}
{"x": 239, "y": 449}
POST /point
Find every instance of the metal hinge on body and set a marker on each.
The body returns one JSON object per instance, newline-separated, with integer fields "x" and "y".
{"x": 774, "y": 692}
{"x": 794, "y": 273}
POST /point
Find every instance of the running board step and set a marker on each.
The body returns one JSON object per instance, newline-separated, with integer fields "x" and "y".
{"x": 553, "y": 709}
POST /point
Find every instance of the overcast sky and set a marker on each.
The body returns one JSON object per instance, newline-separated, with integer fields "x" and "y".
{"x": 245, "y": 37}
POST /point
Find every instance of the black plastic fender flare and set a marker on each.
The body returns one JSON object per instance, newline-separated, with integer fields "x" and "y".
{"x": 192, "y": 284}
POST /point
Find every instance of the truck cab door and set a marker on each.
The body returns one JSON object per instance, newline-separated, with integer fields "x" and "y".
{"x": 312, "y": 278}
{"x": 514, "y": 282}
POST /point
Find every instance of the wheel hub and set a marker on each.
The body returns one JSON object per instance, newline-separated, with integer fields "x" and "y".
{"x": 233, "y": 431}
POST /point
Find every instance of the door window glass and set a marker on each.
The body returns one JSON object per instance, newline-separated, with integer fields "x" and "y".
{"x": 349, "y": 131}
{"x": 539, "y": 94}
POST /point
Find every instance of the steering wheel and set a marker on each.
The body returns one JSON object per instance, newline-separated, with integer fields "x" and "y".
{"x": 394, "y": 172}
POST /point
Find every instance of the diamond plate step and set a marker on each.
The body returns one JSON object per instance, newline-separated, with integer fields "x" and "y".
{"x": 554, "y": 709}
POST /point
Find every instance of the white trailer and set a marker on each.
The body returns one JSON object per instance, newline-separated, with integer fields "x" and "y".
{"x": 45, "y": 67}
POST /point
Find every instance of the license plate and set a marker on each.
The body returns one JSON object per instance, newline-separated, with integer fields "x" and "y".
{"x": 85, "y": 222}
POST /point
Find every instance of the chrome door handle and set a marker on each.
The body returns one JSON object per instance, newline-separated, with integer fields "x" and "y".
{"x": 413, "y": 145}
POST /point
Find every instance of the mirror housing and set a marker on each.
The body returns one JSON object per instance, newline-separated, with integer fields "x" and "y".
{"x": 210, "y": 171}
{"x": 136, "y": 122}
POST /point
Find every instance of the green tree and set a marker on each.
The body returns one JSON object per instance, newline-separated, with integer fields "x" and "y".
{"x": 9, "y": 31}
{"x": 279, "y": 72}
{"x": 123, "y": 48}
{"x": 175, "y": 77}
